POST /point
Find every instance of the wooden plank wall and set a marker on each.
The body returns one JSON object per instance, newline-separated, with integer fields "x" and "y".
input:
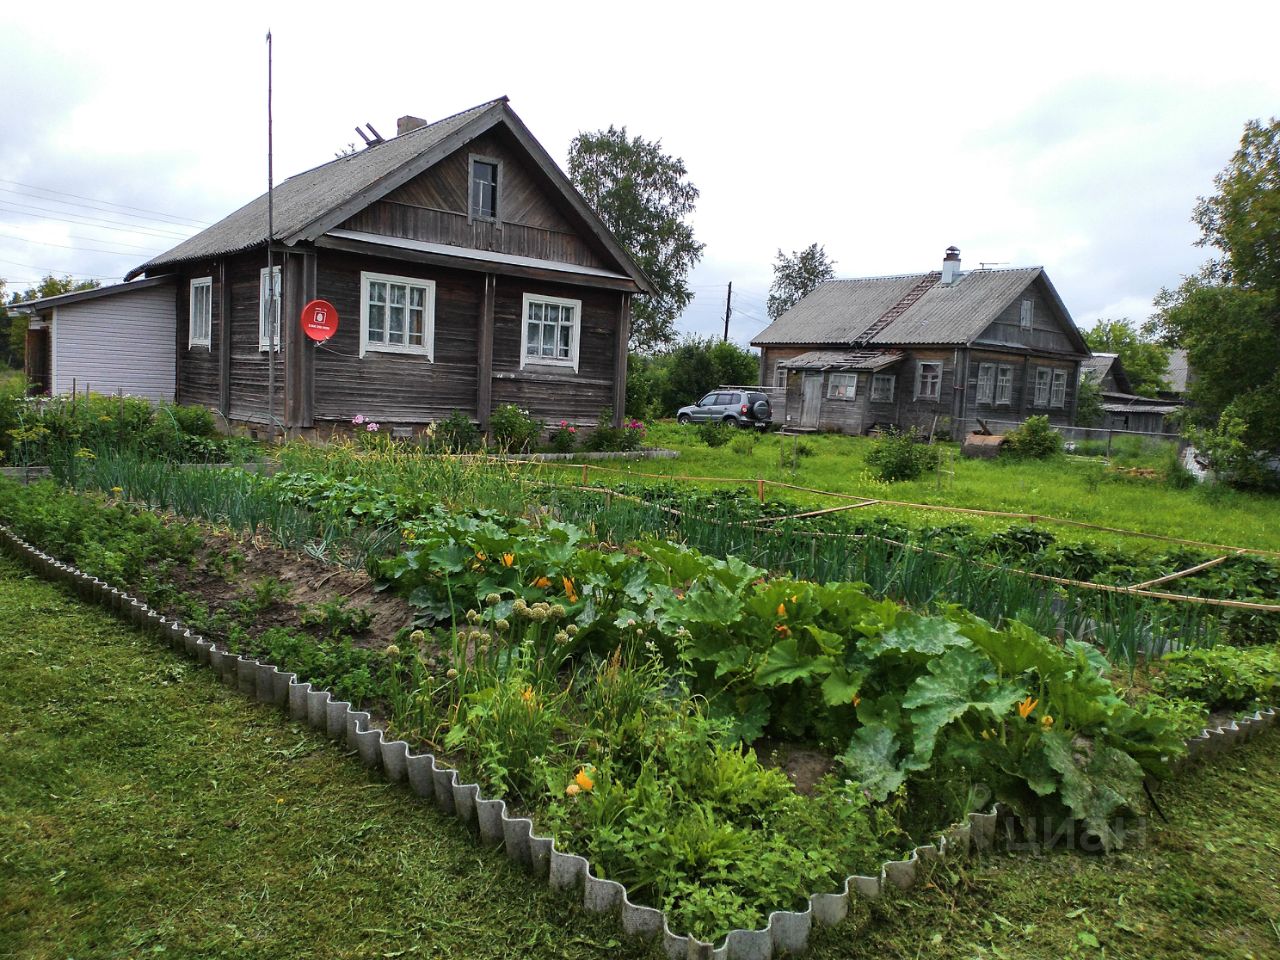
{"x": 248, "y": 363}
{"x": 434, "y": 207}
{"x": 197, "y": 379}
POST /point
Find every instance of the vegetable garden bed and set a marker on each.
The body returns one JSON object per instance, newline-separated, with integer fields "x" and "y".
{"x": 609, "y": 688}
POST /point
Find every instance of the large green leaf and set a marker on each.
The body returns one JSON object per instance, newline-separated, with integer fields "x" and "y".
{"x": 451, "y": 558}
{"x": 961, "y": 681}
{"x": 785, "y": 663}
{"x": 929, "y": 636}
{"x": 841, "y": 686}
{"x": 1097, "y": 781}
{"x": 871, "y": 759}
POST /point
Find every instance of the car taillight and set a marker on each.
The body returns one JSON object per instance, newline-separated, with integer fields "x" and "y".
{"x": 744, "y": 408}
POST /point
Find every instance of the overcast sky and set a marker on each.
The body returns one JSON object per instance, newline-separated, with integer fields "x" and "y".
{"x": 1074, "y": 136}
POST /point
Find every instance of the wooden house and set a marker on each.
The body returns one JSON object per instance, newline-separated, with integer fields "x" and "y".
{"x": 932, "y": 351}
{"x": 1123, "y": 409}
{"x": 466, "y": 271}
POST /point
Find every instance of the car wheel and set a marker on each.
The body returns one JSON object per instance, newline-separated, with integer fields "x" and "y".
{"x": 683, "y": 419}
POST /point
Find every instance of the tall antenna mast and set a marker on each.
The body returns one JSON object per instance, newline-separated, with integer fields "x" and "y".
{"x": 273, "y": 295}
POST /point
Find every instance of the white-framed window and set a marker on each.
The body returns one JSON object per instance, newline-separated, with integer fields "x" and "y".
{"x": 397, "y": 314}
{"x": 882, "y": 387}
{"x": 842, "y": 386}
{"x": 1004, "y": 386}
{"x": 928, "y": 380}
{"x": 485, "y": 175}
{"x": 1044, "y": 378}
{"x": 1028, "y": 314}
{"x": 268, "y": 308}
{"x": 200, "y": 325}
{"x": 780, "y": 375}
{"x": 986, "y": 382}
{"x": 1058, "y": 391}
{"x": 550, "y": 332}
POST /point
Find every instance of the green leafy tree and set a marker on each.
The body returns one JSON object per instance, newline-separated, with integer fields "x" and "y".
{"x": 1227, "y": 317}
{"x": 643, "y": 195}
{"x": 796, "y": 276}
{"x": 1089, "y": 412}
{"x": 1144, "y": 360}
{"x": 679, "y": 376}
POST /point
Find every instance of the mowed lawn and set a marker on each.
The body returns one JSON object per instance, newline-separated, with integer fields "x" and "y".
{"x": 146, "y": 810}
{"x": 1073, "y": 488}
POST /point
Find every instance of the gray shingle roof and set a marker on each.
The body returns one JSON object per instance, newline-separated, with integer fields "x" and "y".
{"x": 839, "y": 310}
{"x": 1179, "y": 375}
{"x": 843, "y": 360}
{"x": 303, "y": 199}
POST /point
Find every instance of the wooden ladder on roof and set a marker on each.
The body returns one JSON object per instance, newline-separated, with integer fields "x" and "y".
{"x": 898, "y": 309}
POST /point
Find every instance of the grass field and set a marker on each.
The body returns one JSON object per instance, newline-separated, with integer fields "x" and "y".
{"x": 1070, "y": 488}
{"x": 147, "y": 810}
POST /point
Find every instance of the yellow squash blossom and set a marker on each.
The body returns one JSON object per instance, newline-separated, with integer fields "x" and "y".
{"x": 480, "y": 556}
{"x": 783, "y": 630}
{"x": 856, "y": 700}
{"x": 541, "y": 582}
{"x": 572, "y": 790}
{"x": 570, "y": 593}
{"x": 1026, "y": 706}
{"x": 508, "y": 559}
{"x": 782, "y": 609}
{"x": 583, "y": 780}
{"x": 1046, "y": 721}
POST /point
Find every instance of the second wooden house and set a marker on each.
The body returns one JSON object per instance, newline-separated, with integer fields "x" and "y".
{"x": 934, "y": 352}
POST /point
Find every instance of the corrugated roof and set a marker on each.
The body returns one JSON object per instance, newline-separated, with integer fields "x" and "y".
{"x": 843, "y": 360}
{"x": 959, "y": 311}
{"x": 945, "y": 314}
{"x": 76, "y": 296}
{"x": 302, "y": 199}
{"x": 1179, "y": 374}
{"x": 838, "y": 310}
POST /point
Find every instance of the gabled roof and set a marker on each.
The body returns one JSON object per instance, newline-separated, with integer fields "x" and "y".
{"x": 1101, "y": 364}
{"x": 309, "y": 204}
{"x": 839, "y": 311}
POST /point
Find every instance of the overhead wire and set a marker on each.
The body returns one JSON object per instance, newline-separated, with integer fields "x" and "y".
{"x": 42, "y": 213}
{"x": 151, "y": 251}
{"x": 192, "y": 221}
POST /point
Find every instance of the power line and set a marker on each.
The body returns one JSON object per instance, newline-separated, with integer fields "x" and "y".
{"x": 49, "y": 271}
{"x": 100, "y": 221}
{"x": 85, "y": 222}
{"x": 150, "y": 251}
{"x": 109, "y": 203}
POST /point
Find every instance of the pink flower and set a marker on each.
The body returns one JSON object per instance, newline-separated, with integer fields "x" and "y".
{"x": 564, "y": 423}
{"x": 358, "y": 419}
{"x": 573, "y": 429}
{"x": 372, "y": 427}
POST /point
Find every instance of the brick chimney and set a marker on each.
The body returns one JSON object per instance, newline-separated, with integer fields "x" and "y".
{"x": 407, "y": 123}
{"x": 951, "y": 266}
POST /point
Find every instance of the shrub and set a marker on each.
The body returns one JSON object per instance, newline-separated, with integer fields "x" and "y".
{"x": 564, "y": 437}
{"x": 897, "y": 456}
{"x": 607, "y": 437}
{"x": 715, "y": 434}
{"x": 744, "y": 445}
{"x": 1222, "y": 678}
{"x": 1035, "y": 439}
{"x": 455, "y": 434}
{"x": 512, "y": 429}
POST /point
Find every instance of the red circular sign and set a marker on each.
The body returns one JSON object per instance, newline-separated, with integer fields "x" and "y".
{"x": 319, "y": 320}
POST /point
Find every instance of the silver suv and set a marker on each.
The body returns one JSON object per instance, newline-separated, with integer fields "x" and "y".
{"x": 744, "y": 408}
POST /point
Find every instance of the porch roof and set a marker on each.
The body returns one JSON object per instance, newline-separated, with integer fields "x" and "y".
{"x": 852, "y": 360}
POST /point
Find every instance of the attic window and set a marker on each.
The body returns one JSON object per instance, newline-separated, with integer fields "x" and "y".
{"x": 1027, "y": 315}
{"x": 484, "y": 189}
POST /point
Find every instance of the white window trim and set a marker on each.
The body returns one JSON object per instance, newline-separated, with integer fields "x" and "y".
{"x": 780, "y": 375}
{"x": 1003, "y": 372}
{"x": 428, "y": 348}
{"x": 264, "y": 295}
{"x": 1058, "y": 390}
{"x": 207, "y": 339}
{"x": 882, "y": 378}
{"x": 849, "y": 380}
{"x": 1047, "y": 380}
{"x": 920, "y": 367}
{"x": 986, "y": 389}
{"x": 1027, "y": 314}
{"x": 574, "y": 340}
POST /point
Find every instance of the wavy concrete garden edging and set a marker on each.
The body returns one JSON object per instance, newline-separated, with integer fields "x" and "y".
{"x": 787, "y": 931}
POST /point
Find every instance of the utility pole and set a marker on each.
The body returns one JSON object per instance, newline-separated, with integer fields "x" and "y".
{"x": 728, "y": 311}
{"x": 272, "y": 305}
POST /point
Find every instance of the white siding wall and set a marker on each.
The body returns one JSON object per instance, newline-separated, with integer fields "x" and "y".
{"x": 122, "y": 342}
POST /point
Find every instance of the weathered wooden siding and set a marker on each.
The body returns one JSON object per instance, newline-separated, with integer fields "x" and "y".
{"x": 406, "y": 389}
{"x": 249, "y": 374}
{"x": 555, "y": 393}
{"x": 1022, "y": 400}
{"x": 434, "y": 207}
{"x": 198, "y": 368}
{"x": 116, "y": 343}
{"x": 399, "y": 388}
{"x": 920, "y": 414}
{"x": 1047, "y": 333}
